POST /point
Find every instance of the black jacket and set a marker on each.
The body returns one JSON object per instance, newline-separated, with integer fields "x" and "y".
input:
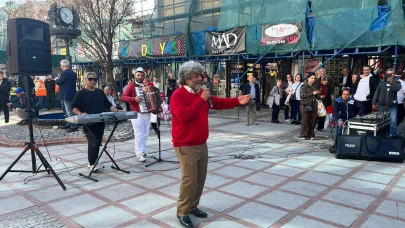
{"x": 22, "y": 103}
{"x": 343, "y": 110}
{"x": 246, "y": 91}
{"x": 386, "y": 94}
{"x": 50, "y": 86}
{"x": 67, "y": 85}
{"x": 5, "y": 88}
{"x": 373, "y": 83}
{"x": 348, "y": 83}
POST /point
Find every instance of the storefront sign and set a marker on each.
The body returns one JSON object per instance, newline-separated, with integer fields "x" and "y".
{"x": 164, "y": 46}
{"x": 281, "y": 34}
{"x": 227, "y": 42}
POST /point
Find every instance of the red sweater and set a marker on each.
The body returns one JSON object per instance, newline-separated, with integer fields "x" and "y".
{"x": 130, "y": 94}
{"x": 190, "y": 116}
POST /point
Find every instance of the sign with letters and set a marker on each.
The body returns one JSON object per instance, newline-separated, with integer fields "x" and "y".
{"x": 163, "y": 46}
{"x": 281, "y": 34}
{"x": 227, "y": 42}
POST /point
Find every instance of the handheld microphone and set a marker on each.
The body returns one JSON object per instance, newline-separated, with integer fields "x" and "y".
{"x": 209, "y": 99}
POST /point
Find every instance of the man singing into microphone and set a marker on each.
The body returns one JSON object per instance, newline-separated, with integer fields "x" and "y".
{"x": 189, "y": 107}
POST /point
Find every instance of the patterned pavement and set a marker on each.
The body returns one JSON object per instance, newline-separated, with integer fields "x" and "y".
{"x": 256, "y": 178}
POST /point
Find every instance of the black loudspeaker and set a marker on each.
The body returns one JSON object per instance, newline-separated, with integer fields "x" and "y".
{"x": 370, "y": 147}
{"x": 28, "y": 47}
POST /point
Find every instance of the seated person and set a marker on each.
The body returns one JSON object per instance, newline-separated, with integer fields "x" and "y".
{"x": 21, "y": 105}
{"x": 344, "y": 109}
{"x": 107, "y": 92}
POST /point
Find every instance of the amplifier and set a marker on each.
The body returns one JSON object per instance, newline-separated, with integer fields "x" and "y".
{"x": 370, "y": 147}
{"x": 381, "y": 129}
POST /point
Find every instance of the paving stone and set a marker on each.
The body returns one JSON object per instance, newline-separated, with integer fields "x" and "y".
{"x": 243, "y": 189}
{"x": 107, "y": 217}
{"x": 284, "y": 170}
{"x": 119, "y": 192}
{"x": 303, "y": 188}
{"x": 401, "y": 182}
{"x": 376, "y": 221}
{"x": 343, "y": 163}
{"x": 103, "y": 180}
{"x": 382, "y": 169}
{"x": 265, "y": 179}
{"x": 397, "y": 193}
{"x": 52, "y": 193}
{"x": 363, "y": 186}
{"x": 299, "y": 164}
{"x": 334, "y": 213}
{"x": 143, "y": 223}
{"x": 147, "y": 203}
{"x": 284, "y": 199}
{"x": 172, "y": 190}
{"x": 213, "y": 180}
{"x": 374, "y": 177}
{"x": 233, "y": 171}
{"x": 218, "y": 201}
{"x": 301, "y": 222}
{"x": 311, "y": 158}
{"x": 253, "y": 164}
{"x": 350, "y": 198}
{"x": 223, "y": 223}
{"x": 320, "y": 178}
{"x": 333, "y": 169}
{"x": 77, "y": 204}
{"x": 392, "y": 208}
{"x": 14, "y": 203}
{"x": 158, "y": 181}
{"x": 5, "y": 191}
{"x": 258, "y": 214}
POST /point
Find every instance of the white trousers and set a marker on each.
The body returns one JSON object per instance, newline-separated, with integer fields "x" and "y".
{"x": 141, "y": 126}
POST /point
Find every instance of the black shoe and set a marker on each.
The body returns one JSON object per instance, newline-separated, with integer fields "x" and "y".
{"x": 23, "y": 122}
{"x": 185, "y": 221}
{"x": 293, "y": 122}
{"x": 72, "y": 130}
{"x": 199, "y": 213}
{"x": 320, "y": 130}
{"x": 277, "y": 121}
{"x": 6, "y": 121}
{"x": 298, "y": 123}
{"x": 64, "y": 127}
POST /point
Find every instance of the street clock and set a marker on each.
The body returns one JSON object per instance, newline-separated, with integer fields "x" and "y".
{"x": 66, "y": 15}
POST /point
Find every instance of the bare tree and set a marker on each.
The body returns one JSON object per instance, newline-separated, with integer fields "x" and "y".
{"x": 99, "y": 21}
{"x": 34, "y": 9}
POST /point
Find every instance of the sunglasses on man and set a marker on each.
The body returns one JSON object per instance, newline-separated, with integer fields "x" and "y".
{"x": 92, "y": 79}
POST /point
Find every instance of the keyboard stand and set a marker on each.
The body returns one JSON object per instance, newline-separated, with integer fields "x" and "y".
{"x": 115, "y": 166}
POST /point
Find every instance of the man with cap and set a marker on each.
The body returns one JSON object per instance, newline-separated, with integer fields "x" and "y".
{"x": 5, "y": 86}
{"x": 21, "y": 105}
{"x": 142, "y": 123}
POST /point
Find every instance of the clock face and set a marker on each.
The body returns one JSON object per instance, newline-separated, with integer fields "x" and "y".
{"x": 66, "y": 15}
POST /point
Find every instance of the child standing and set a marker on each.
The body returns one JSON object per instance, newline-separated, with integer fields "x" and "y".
{"x": 277, "y": 93}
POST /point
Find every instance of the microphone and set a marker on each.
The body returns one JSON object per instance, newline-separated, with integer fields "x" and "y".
{"x": 209, "y": 99}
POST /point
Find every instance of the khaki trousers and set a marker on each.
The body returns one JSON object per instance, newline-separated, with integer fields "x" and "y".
{"x": 193, "y": 164}
{"x": 251, "y": 112}
{"x": 21, "y": 113}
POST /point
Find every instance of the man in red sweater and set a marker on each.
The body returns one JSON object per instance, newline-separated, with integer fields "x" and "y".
{"x": 142, "y": 123}
{"x": 189, "y": 106}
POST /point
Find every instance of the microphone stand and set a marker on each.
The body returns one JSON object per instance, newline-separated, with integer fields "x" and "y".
{"x": 32, "y": 146}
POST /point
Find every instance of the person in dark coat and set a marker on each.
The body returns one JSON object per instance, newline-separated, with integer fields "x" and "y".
{"x": 345, "y": 81}
{"x": 50, "y": 91}
{"x": 67, "y": 89}
{"x": 5, "y": 87}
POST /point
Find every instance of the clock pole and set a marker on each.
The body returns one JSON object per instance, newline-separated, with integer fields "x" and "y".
{"x": 68, "y": 57}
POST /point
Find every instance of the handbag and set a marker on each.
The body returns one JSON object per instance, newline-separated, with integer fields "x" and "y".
{"x": 307, "y": 108}
{"x": 270, "y": 101}
{"x": 294, "y": 95}
{"x": 321, "y": 109}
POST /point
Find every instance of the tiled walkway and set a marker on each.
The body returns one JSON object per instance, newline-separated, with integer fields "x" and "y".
{"x": 285, "y": 185}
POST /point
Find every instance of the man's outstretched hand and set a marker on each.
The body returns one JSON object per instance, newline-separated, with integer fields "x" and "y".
{"x": 244, "y": 99}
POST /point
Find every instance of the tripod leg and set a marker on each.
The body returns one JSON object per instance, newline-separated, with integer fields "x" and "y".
{"x": 116, "y": 166}
{"x": 14, "y": 162}
{"x": 49, "y": 168}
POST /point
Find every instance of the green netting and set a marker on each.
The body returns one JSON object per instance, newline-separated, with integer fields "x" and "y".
{"x": 256, "y": 13}
{"x": 346, "y": 23}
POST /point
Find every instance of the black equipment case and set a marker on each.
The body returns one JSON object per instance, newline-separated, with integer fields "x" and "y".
{"x": 370, "y": 147}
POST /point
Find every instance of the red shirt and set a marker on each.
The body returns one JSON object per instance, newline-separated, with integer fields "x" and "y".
{"x": 190, "y": 116}
{"x": 130, "y": 94}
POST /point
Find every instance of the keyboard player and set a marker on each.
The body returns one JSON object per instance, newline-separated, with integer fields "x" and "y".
{"x": 91, "y": 100}
{"x": 142, "y": 123}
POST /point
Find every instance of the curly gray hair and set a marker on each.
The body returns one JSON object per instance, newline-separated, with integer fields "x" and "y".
{"x": 187, "y": 69}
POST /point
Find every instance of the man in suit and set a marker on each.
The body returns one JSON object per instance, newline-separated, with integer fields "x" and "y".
{"x": 67, "y": 89}
{"x": 5, "y": 87}
{"x": 345, "y": 81}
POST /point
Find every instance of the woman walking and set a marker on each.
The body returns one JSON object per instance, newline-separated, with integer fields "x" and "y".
{"x": 295, "y": 100}
{"x": 309, "y": 108}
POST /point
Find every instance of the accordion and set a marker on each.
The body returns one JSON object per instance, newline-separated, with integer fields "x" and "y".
{"x": 151, "y": 101}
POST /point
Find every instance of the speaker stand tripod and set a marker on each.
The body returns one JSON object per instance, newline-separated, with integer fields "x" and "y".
{"x": 116, "y": 167}
{"x": 31, "y": 146}
{"x": 159, "y": 159}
